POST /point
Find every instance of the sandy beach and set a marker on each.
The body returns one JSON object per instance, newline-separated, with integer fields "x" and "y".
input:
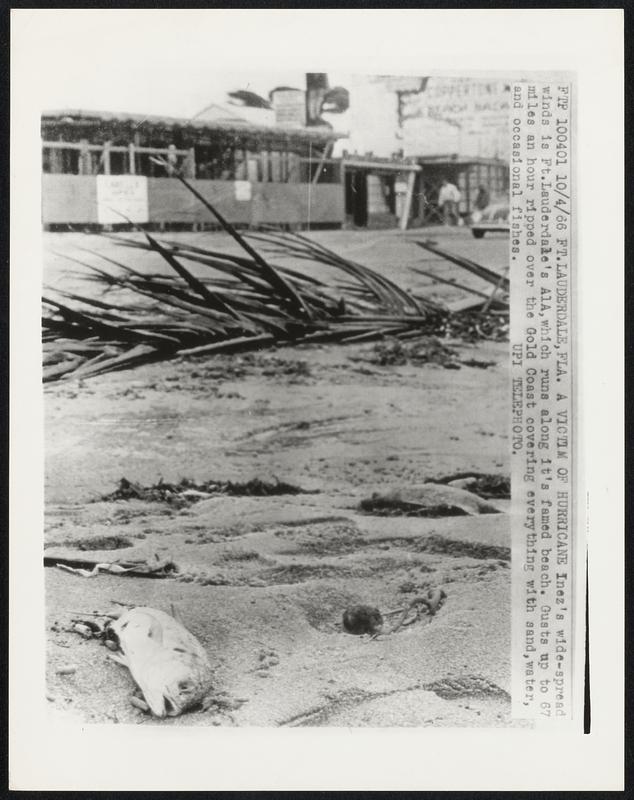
{"x": 263, "y": 581}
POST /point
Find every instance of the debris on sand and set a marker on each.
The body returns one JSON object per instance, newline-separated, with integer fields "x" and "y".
{"x": 426, "y": 605}
{"x": 223, "y": 703}
{"x": 473, "y": 326}
{"x": 476, "y": 362}
{"x": 441, "y": 545}
{"x": 236, "y": 367}
{"x": 159, "y": 568}
{"x": 68, "y": 669}
{"x": 484, "y": 484}
{"x": 248, "y": 304}
{"x": 360, "y": 619}
{"x": 187, "y": 491}
{"x": 393, "y": 352}
{"x": 392, "y": 505}
{"x": 453, "y": 688}
{"x": 427, "y": 350}
{"x": 426, "y": 500}
{"x": 94, "y": 543}
{"x": 167, "y": 662}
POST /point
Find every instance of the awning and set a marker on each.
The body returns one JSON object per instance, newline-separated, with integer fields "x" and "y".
{"x": 373, "y": 165}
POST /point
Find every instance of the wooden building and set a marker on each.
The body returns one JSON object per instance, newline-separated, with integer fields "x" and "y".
{"x": 278, "y": 163}
{"x": 380, "y": 192}
{"x": 467, "y": 173}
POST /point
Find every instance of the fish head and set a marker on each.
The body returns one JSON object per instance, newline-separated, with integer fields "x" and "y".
{"x": 176, "y": 691}
{"x": 180, "y": 695}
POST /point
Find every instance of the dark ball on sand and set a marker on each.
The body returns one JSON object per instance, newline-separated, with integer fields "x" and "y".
{"x": 362, "y": 619}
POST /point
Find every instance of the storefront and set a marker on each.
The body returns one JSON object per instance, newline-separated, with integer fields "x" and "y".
{"x": 380, "y": 193}
{"x": 468, "y": 174}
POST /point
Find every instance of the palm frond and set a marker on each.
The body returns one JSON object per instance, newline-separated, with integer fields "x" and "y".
{"x": 240, "y": 302}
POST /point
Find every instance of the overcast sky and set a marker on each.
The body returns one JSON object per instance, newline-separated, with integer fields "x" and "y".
{"x": 178, "y": 62}
{"x": 146, "y": 62}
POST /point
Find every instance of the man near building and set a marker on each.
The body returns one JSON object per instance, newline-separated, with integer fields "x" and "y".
{"x": 482, "y": 198}
{"x": 448, "y": 199}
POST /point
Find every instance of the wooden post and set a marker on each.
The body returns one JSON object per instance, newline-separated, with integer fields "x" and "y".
{"x": 84, "y": 158}
{"x": 190, "y": 163}
{"x": 264, "y": 161}
{"x": 411, "y": 179}
{"x": 56, "y": 160}
{"x": 291, "y": 168}
{"x": 106, "y": 158}
{"x": 422, "y": 199}
{"x": 324, "y": 155}
{"x": 172, "y": 158}
{"x": 131, "y": 159}
{"x": 276, "y": 170}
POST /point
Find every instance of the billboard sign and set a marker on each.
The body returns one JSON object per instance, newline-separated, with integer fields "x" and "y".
{"x": 290, "y": 108}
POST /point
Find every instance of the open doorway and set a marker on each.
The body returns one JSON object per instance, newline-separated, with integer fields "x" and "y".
{"x": 357, "y": 197}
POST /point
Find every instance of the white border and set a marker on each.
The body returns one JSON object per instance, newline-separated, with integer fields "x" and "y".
{"x": 588, "y": 42}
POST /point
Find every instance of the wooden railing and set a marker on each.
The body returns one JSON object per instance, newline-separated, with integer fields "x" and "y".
{"x": 88, "y": 165}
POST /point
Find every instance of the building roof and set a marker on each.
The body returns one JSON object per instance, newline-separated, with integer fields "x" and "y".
{"x": 380, "y": 164}
{"x": 232, "y": 125}
{"x": 454, "y": 158}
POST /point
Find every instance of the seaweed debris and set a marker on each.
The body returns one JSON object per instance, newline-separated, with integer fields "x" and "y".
{"x": 187, "y": 491}
{"x": 394, "y": 506}
{"x": 484, "y": 484}
{"x": 427, "y": 350}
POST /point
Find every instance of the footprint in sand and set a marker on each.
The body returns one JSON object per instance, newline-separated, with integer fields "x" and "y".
{"x": 266, "y": 660}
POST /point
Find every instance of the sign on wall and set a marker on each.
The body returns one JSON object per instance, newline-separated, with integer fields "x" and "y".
{"x": 290, "y": 108}
{"x": 242, "y": 190}
{"x": 462, "y": 115}
{"x": 121, "y": 196}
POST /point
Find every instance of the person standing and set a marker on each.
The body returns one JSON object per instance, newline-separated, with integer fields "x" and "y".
{"x": 482, "y": 198}
{"x": 481, "y": 201}
{"x": 448, "y": 199}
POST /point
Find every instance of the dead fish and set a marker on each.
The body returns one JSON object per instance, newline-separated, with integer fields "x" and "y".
{"x": 167, "y": 662}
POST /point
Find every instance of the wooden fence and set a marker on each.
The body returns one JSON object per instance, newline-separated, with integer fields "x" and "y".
{"x": 73, "y": 199}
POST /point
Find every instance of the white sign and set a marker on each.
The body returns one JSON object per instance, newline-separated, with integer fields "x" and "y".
{"x": 121, "y": 197}
{"x": 242, "y": 190}
{"x": 399, "y": 83}
{"x": 400, "y": 187}
{"x": 290, "y": 108}
{"x": 462, "y": 115}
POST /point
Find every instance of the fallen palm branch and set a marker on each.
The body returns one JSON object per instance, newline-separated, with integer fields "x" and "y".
{"x": 208, "y": 301}
{"x": 485, "y": 273}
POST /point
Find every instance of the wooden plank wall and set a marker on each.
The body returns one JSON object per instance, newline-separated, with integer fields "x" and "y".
{"x": 73, "y": 199}
{"x": 68, "y": 199}
{"x": 170, "y": 201}
{"x": 290, "y": 203}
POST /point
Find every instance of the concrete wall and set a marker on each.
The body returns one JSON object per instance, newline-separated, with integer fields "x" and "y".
{"x": 73, "y": 199}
